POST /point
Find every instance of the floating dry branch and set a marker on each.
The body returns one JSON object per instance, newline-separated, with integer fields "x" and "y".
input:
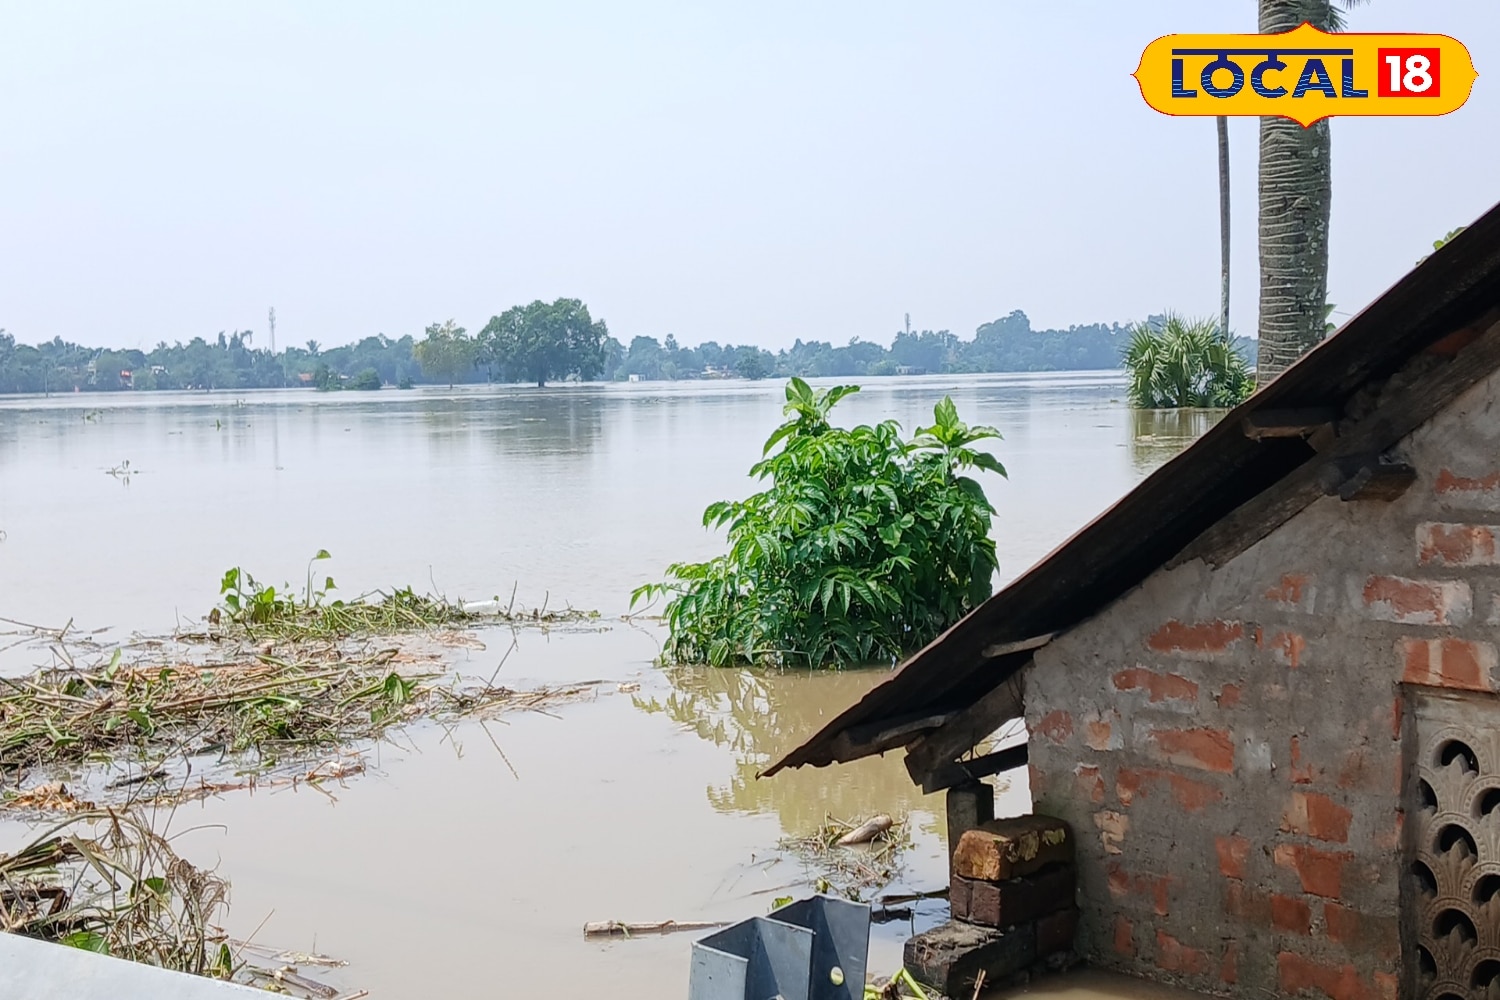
{"x": 619, "y": 928}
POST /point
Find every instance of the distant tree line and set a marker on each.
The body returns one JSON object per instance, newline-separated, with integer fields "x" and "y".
{"x": 544, "y": 342}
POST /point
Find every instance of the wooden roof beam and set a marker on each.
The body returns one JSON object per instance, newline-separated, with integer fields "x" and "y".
{"x": 965, "y": 729}
{"x": 1000, "y": 649}
{"x": 1298, "y": 423}
{"x": 862, "y": 741}
{"x": 961, "y": 771}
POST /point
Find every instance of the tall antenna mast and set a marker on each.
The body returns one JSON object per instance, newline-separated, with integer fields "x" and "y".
{"x": 271, "y": 321}
{"x": 908, "y": 331}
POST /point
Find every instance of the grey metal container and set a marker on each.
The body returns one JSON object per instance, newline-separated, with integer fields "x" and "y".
{"x": 813, "y": 949}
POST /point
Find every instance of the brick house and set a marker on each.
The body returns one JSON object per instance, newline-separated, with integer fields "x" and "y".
{"x": 1261, "y": 688}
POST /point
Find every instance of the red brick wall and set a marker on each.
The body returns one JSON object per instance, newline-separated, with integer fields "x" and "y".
{"x": 1227, "y": 742}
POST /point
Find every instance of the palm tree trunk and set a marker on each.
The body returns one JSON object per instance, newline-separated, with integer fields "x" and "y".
{"x": 1295, "y": 197}
{"x": 1224, "y": 227}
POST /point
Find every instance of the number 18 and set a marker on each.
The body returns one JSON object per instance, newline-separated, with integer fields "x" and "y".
{"x": 1409, "y": 72}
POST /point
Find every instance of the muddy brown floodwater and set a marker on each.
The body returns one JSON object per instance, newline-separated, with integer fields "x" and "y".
{"x": 454, "y": 868}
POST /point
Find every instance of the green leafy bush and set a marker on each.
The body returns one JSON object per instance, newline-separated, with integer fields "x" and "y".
{"x": 864, "y": 546}
{"x": 368, "y": 380}
{"x": 1185, "y": 363}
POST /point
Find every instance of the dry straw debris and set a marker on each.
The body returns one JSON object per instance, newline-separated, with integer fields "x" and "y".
{"x": 120, "y": 891}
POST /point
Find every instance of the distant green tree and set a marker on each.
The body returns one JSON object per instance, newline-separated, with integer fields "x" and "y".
{"x": 367, "y": 379}
{"x": 1185, "y": 363}
{"x": 752, "y": 364}
{"x": 926, "y": 350}
{"x": 325, "y": 379}
{"x": 545, "y": 341}
{"x": 446, "y": 352}
{"x": 644, "y": 358}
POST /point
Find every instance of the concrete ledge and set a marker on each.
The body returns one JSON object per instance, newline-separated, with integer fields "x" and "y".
{"x": 39, "y": 970}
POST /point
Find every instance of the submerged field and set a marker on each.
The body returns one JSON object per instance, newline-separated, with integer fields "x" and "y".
{"x": 464, "y": 849}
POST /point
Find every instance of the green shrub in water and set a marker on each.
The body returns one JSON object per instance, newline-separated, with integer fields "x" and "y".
{"x": 1185, "y": 363}
{"x": 864, "y": 546}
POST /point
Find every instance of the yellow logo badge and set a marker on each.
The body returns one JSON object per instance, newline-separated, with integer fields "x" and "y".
{"x": 1306, "y": 74}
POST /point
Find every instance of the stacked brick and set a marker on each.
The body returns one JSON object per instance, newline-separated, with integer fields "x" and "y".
{"x": 1018, "y": 874}
{"x": 1011, "y": 894}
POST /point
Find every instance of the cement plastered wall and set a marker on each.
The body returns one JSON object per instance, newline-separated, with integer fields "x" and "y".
{"x": 1227, "y": 742}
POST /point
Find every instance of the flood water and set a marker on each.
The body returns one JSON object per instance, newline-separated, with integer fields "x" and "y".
{"x": 449, "y": 869}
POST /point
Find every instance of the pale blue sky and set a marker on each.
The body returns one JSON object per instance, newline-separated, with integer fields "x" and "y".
{"x": 747, "y": 172}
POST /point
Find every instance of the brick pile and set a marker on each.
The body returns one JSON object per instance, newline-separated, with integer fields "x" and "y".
{"x": 1018, "y": 873}
{"x": 1012, "y": 899}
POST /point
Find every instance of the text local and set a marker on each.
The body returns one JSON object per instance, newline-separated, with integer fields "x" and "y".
{"x": 1314, "y": 76}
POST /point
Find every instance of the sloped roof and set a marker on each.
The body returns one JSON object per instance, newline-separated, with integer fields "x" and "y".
{"x": 1219, "y": 474}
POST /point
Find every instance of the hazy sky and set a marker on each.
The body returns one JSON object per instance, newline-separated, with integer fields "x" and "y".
{"x": 739, "y": 172}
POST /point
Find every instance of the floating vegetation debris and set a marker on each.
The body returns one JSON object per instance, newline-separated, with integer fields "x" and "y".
{"x": 276, "y": 681}
{"x": 854, "y": 871}
{"x": 51, "y": 797}
{"x": 267, "y": 705}
{"x": 107, "y": 881}
{"x": 259, "y": 610}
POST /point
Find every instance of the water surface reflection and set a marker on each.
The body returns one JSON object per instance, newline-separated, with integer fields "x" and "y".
{"x": 757, "y": 715}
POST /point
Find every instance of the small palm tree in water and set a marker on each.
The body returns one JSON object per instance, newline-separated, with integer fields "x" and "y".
{"x": 1185, "y": 363}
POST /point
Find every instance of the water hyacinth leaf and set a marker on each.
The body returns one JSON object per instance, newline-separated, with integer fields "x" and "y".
{"x": 87, "y": 941}
{"x": 223, "y": 964}
{"x": 157, "y": 886}
{"x": 398, "y": 689}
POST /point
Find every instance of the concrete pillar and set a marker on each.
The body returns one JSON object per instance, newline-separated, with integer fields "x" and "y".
{"x": 969, "y": 805}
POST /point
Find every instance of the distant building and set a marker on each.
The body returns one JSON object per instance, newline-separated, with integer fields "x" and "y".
{"x": 127, "y": 378}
